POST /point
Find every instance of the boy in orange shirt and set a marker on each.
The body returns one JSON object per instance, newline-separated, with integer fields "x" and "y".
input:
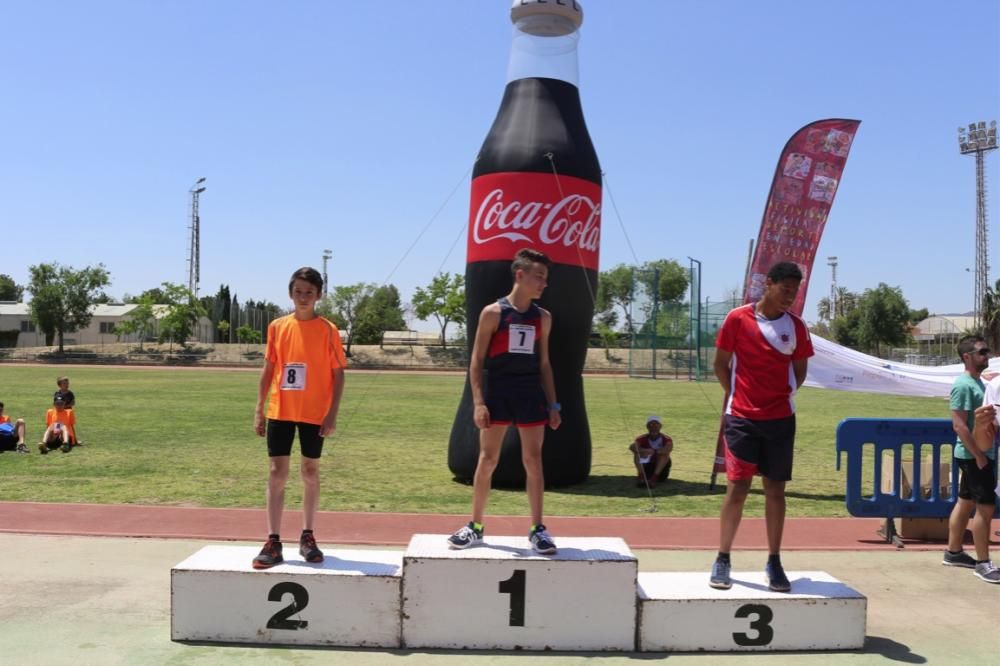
{"x": 302, "y": 382}
{"x": 59, "y": 423}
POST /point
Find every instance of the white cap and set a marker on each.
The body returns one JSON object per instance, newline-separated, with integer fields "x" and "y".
{"x": 652, "y": 418}
{"x": 571, "y": 10}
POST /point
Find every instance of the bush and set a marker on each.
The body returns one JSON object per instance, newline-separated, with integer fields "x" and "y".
{"x": 9, "y": 338}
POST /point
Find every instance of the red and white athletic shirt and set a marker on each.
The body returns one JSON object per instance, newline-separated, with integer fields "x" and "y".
{"x": 762, "y": 379}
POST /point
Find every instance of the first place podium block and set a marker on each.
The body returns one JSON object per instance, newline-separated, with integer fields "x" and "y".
{"x": 679, "y": 612}
{"x": 501, "y": 595}
{"x": 350, "y": 599}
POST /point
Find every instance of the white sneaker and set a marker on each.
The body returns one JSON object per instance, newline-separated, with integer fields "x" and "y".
{"x": 987, "y": 572}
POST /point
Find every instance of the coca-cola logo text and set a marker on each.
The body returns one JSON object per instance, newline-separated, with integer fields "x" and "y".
{"x": 511, "y": 210}
{"x": 572, "y": 221}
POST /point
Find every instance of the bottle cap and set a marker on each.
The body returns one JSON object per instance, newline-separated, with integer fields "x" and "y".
{"x": 550, "y": 18}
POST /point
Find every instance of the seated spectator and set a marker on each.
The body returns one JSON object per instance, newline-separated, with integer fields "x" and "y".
{"x": 59, "y": 424}
{"x": 651, "y": 454}
{"x": 69, "y": 401}
{"x": 11, "y": 434}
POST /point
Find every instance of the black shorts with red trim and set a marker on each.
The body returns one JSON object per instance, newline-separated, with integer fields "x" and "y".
{"x": 759, "y": 447}
{"x": 516, "y": 401}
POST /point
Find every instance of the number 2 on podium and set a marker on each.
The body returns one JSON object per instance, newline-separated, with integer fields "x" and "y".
{"x": 514, "y": 586}
{"x": 300, "y": 599}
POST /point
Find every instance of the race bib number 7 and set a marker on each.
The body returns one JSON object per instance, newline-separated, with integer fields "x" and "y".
{"x": 521, "y": 339}
{"x": 293, "y": 377}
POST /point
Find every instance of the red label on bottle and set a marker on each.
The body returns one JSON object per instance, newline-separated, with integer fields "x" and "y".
{"x": 561, "y": 216}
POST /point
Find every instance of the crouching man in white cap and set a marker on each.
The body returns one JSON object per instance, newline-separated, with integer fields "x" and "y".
{"x": 651, "y": 454}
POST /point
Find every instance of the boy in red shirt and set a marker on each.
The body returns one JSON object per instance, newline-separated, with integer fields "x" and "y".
{"x": 762, "y": 351}
{"x": 302, "y": 382}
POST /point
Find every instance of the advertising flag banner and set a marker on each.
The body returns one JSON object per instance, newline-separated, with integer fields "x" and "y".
{"x": 802, "y": 191}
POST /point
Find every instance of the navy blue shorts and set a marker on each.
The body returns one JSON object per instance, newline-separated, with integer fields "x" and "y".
{"x": 281, "y": 433}
{"x": 759, "y": 447}
{"x": 516, "y": 402}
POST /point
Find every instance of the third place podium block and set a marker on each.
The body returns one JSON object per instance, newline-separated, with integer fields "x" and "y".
{"x": 679, "y": 612}
{"x": 501, "y": 595}
{"x": 351, "y": 598}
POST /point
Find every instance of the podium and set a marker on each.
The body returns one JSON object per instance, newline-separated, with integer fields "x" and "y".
{"x": 501, "y": 595}
{"x": 349, "y": 599}
{"x": 680, "y": 612}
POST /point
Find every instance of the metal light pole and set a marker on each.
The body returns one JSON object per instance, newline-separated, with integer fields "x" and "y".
{"x": 832, "y": 263}
{"x": 194, "y": 250}
{"x": 696, "y": 315}
{"x": 976, "y": 139}
{"x": 327, "y": 255}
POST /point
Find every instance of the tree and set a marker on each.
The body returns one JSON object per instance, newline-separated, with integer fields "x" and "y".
{"x": 217, "y": 307}
{"x": 443, "y": 299}
{"x": 248, "y": 335}
{"x": 182, "y": 314}
{"x": 10, "y": 290}
{"x": 604, "y": 326}
{"x": 141, "y": 320}
{"x": 662, "y": 280}
{"x": 344, "y": 306}
{"x": 380, "y": 312}
{"x": 616, "y": 289}
{"x": 917, "y": 316}
{"x": 884, "y": 318}
{"x": 673, "y": 280}
{"x": 223, "y": 328}
{"x": 990, "y": 314}
{"x": 156, "y": 294}
{"x": 62, "y": 298}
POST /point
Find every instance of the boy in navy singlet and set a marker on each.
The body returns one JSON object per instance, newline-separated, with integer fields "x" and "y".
{"x": 512, "y": 384}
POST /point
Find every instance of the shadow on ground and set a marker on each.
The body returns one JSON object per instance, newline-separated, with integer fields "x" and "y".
{"x": 626, "y": 486}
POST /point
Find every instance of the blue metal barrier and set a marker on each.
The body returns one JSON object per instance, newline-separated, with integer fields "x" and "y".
{"x": 924, "y": 435}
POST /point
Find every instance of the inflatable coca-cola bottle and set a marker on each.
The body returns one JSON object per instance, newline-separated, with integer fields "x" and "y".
{"x": 537, "y": 183}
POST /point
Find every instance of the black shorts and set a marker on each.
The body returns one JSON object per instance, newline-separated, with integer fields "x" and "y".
{"x": 516, "y": 401}
{"x": 281, "y": 433}
{"x": 8, "y": 442}
{"x": 977, "y": 484}
{"x": 759, "y": 447}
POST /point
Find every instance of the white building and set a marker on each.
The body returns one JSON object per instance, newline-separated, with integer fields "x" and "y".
{"x": 939, "y": 328}
{"x": 17, "y": 316}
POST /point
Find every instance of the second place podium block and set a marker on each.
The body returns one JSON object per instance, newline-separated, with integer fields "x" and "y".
{"x": 350, "y": 599}
{"x": 501, "y": 595}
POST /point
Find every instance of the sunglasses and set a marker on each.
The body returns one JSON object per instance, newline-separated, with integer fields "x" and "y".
{"x": 985, "y": 351}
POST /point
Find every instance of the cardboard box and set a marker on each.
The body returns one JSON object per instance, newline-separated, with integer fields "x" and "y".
{"x": 906, "y": 475}
{"x": 934, "y": 529}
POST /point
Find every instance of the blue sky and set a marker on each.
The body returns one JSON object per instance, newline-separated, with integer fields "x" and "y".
{"x": 347, "y": 125}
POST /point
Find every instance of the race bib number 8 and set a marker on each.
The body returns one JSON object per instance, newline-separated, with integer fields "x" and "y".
{"x": 521, "y": 339}
{"x": 293, "y": 377}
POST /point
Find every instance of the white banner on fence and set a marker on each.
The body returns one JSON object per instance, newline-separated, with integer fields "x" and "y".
{"x": 838, "y": 367}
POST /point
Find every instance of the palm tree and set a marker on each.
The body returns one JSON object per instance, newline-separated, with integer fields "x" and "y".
{"x": 990, "y": 316}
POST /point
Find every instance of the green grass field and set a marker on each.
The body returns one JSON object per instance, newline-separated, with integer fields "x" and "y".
{"x": 184, "y": 437}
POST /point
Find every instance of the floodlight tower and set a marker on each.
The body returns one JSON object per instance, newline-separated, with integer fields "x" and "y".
{"x": 194, "y": 250}
{"x": 976, "y": 139}
{"x": 327, "y": 256}
{"x": 832, "y": 263}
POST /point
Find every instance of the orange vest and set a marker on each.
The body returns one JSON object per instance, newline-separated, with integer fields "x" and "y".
{"x": 304, "y": 354}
